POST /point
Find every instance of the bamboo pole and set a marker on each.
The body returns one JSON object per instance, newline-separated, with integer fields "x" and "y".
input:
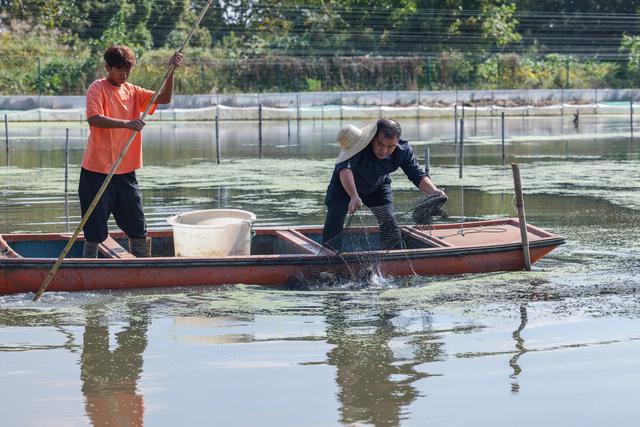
{"x": 521, "y": 216}
{"x": 107, "y": 180}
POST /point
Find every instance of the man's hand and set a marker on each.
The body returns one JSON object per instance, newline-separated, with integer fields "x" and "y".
{"x": 354, "y": 204}
{"x": 176, "y": 59}
{"x": 136, "y": 124}
{"x": 436, "y": 192}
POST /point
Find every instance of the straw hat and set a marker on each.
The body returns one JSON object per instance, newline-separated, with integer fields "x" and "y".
{"x": 353, "y": 140}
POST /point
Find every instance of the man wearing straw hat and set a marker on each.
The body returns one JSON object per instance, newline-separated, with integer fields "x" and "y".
{"x": 361, "y": 176}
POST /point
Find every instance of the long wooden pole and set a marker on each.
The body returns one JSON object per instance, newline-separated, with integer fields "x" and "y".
{"x": 521, "y": 216}
{"x": 107, "y": 180}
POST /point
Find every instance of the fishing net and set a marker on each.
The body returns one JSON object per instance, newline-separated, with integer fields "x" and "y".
{"x": 369, "y": 235}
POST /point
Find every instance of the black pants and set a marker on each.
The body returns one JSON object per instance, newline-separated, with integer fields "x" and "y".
{"x": 380, "y": 202}
{"x": 122, "y": 198}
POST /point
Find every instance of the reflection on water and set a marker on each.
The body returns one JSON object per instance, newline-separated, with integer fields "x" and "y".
{"x": 375, "y": 386}
{"x": 110, "y": 377}
{"x": 513, "y": 362}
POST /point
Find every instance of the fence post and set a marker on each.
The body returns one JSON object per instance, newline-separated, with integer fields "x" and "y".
{"x": 218, "y": 134}
{"x": 6, "y": 133}
{"x": 427, "y": 160}
{"x": 260, "y": 129}
{"x": 503, "y": 137}
{"x": 631, "y": 117}
{"x": 461, "y": 146}
{"x": 66, "y": 162}
{"x": 455, "y": 123}
{"x": 39, "y": 80}
{"x": 475, "y": 119}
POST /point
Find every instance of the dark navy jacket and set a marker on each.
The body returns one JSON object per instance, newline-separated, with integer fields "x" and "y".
{"x": 371, "y": 173}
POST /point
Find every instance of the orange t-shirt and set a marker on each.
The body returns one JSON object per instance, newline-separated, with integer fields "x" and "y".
{"x": 104, "y": 145}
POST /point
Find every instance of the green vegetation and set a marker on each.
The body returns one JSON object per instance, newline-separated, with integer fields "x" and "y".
{"x": 54, "y": 47}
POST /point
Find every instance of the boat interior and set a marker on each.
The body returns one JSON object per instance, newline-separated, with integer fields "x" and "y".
{"x": 303, "y": 240}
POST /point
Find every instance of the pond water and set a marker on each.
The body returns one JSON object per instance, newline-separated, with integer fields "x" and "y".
{"x": 559, "y": 344}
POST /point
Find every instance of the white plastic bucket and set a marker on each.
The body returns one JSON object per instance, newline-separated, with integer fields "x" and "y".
{"x": 212, "y": 233}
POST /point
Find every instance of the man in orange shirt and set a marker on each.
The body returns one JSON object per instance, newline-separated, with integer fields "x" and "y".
{"x": 113, "y": 112}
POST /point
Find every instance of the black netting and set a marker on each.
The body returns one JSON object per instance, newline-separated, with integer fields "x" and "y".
{"x": 368, "y": 235}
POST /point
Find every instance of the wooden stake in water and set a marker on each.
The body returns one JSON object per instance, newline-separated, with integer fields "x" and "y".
{"x": 461, "y": 146}
{"x": 260, "y": 129}
{"x": 455, "y": 124}
{"x": 66, "y": 162}
{"x": 6, "y": 133}
{"x": 502, "y": 137}
{"x": 66, "y": 211}
{"x": 521, "y": 216}
{"x": 427, "y": 160}
{"x": 125, "y": 148}
{"x": 217, "y": 136}
{"x": 475, "y": 119}
{"x": 631, "y": 117}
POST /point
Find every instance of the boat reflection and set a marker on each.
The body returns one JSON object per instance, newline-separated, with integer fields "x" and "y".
{"x": 110, "y": 377}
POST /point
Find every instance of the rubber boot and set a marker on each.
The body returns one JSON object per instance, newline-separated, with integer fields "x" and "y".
{"x": 141, "y": 247}
{"x": 90, "y": 249}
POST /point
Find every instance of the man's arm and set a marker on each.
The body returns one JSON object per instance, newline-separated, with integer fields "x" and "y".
{"x": 418, "y": 176}
{"x": 101, "y": 121}
{"x": 167, "y": 90}
{"x": 349, "y": 184}
{"x": 428, "y": 188}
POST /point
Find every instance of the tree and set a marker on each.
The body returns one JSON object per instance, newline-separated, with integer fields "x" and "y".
{"x": 498, "y": 22}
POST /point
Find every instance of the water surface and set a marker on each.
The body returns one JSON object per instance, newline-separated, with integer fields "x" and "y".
{"x": 556, "y": 345}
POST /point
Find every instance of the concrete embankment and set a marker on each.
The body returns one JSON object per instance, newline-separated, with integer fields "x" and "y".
{"x": 346, "y": 105}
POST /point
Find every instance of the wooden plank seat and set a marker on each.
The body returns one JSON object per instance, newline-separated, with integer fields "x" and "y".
{"x": 112, "y": 249}
{"x": 422, "y": 236}
{"x": 300, "y": 240}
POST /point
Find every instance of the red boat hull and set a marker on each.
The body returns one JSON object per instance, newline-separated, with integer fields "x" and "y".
{"x": 444, "y": 256}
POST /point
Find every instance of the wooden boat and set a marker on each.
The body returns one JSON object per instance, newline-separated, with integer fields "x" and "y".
{"x": 277, "y": 255}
